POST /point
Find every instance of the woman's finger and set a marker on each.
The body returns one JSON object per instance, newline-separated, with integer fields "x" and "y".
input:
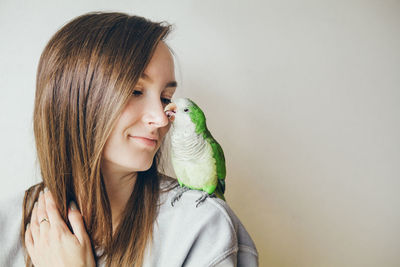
{"x": 34, "y": 225}
{"x": 29, "y": 244}
{"x": 76, "y": 221}
{"x": 28, "y": 238}
{"x": 52, "y": 211}
{"x": 43, "y": 219}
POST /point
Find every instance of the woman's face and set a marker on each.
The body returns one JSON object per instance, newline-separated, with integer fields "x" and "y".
{"x": 142, "y": 126}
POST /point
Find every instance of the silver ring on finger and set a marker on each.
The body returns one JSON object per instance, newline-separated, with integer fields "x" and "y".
{"x": 44, "y": 220}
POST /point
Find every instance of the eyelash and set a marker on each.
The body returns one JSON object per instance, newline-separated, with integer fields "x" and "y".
{"x": 163, "y": 99}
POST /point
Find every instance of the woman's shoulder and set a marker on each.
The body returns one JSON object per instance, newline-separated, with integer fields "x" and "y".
{"x": 11, "y": 253}
{"x": 10, "y": 212}
{"x": 211, "y": 232}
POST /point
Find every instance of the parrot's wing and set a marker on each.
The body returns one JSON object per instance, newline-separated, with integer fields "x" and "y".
{"x": 218, "y": 154}
{"x": 221, "y": 171}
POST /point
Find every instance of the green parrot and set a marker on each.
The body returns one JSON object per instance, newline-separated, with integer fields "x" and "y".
{"x": 197, "y": 158}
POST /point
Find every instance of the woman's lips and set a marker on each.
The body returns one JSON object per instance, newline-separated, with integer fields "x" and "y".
{"x": 143, "y": 140}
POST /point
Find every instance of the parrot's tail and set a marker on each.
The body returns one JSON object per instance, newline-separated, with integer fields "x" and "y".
{"x": 218, "y": 193}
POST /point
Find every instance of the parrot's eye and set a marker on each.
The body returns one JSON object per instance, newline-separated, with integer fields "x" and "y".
{"x": 186, "y": 110}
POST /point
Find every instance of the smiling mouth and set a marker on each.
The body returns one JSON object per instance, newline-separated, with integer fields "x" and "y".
{"x": 145, "y": 141}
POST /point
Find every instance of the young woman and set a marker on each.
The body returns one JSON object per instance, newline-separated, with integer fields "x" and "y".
{"x": 103, "y": 82}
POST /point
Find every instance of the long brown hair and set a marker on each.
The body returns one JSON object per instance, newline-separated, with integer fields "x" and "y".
{"x": 86, "y": 75}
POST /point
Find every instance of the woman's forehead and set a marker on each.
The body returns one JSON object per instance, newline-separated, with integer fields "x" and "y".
{"x": 160, "y": 67}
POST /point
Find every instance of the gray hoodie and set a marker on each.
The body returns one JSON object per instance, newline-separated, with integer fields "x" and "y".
{"x": 210, "y": 235}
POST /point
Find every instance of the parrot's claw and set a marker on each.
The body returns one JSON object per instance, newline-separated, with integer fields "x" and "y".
{"x": 179, "y": 195}
{"x": 203, "y": 198}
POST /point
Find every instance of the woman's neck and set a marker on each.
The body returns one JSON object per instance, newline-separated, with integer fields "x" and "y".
{"x": 119, "y": 189}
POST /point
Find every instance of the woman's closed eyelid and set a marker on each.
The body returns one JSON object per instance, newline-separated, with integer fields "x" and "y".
{"x": 137, "y": 92}
{"x": 141, "y": 89}
{"x": 164, "y": 99}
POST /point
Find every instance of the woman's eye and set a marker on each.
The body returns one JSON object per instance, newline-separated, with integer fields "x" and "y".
{"x": 166, "y": 100}
{"x": 136, "y": 92}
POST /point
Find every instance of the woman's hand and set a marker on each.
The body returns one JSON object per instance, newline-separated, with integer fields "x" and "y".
{"x": 49, "y": 241}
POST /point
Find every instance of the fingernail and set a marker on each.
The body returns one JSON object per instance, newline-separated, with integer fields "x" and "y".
{"x": 72, "y": 205}
{"x": 27, "y": 226}
{"x": 41, "y": 193}
{"x": 46, "y": 189}
{"x": 35, "y": 204}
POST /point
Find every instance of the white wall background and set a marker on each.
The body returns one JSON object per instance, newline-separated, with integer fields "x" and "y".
{"x": 303, "y": 96}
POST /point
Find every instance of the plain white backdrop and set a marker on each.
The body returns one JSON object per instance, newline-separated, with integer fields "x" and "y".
{"x": 303, "y": 96}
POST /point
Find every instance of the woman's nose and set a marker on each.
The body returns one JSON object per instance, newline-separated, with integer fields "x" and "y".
{"x": 155, "y": 115}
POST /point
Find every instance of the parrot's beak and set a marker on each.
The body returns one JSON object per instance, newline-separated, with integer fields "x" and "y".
{"x": 170, "y": 111}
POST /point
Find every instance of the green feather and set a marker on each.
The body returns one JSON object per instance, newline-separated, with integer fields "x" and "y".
{"x": 198, "y": 118}
{"x": 218, "y": 154}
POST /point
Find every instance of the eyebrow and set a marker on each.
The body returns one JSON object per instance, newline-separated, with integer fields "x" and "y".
{"x": 169, "y": 84}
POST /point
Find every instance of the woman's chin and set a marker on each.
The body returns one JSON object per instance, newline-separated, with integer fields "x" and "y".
{"x": 144, "y": 167}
